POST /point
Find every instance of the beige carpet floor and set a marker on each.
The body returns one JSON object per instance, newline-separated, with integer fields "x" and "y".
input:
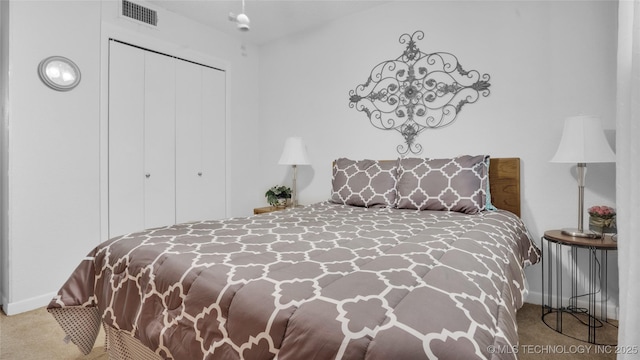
{"x": 538, "y": 341}
{"x": 35, "y": 335}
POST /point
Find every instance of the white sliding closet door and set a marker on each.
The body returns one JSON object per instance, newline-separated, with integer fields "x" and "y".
{"x": 166, "y": 140}
{"x": 141, "y": 139}
{"x": 159, "y": 141}
{"x": 200, "y": 142}
{"x": 126, "y": 139}
{"x": 213, "y": 185}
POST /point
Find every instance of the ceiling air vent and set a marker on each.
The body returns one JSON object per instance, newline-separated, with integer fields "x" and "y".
{"x": 140, "y": 13}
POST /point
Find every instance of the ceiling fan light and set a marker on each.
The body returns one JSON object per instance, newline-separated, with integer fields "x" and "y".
{"x": 243, "y": 22}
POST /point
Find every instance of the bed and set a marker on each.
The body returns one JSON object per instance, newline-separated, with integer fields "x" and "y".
{"x": 332, "y": 280}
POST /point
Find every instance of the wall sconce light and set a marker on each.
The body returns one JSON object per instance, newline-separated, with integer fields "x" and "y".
{"x": 59, "y": 73}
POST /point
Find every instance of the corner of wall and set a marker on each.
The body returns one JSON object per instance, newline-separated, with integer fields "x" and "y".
{"x": 4, "y": 141}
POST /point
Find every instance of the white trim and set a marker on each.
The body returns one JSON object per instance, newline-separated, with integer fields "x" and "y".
{"x": 27, "y": 304}
{"x": 6, "y": 246}
{"x": 110, "y": 30}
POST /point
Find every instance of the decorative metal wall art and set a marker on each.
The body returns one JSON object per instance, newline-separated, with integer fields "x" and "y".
{"x": 417, "y": 91}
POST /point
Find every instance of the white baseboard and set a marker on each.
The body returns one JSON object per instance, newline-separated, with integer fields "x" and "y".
{"x": 613, "y": 310}
{"x": 13, "y": 308}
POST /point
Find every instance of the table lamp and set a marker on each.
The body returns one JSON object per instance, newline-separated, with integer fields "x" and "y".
{"x": 294, "y": 154}
{"x": 582, "y": 142}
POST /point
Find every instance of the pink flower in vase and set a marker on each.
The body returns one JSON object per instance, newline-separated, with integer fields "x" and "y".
{"x": 602, "y": 211}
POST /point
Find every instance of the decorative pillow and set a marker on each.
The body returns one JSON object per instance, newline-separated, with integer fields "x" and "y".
{"x": 457, "y": 184}
{"x": 365, "y": 183}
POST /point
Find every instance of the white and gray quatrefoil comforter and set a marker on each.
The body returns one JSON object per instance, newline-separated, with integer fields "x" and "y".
{"x": 325, "y": 281}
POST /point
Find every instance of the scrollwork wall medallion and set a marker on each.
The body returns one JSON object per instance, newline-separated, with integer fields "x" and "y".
{"x": 417, "y": 91}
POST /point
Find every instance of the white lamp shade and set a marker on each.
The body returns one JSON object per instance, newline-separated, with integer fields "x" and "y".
{"x": 583, "y": 141}
{"x": 294, "y": 152}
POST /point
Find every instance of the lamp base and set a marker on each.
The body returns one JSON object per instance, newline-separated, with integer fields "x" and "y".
{"x": 582, "y": 234}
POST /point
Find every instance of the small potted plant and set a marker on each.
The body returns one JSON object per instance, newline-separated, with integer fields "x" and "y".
{"x": 278, "y": 195}
{"x": 602, "y": 219}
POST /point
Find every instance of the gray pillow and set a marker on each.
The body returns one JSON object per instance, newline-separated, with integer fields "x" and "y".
{"x": 457, "y": 184}
{"x": 365, "y": 183}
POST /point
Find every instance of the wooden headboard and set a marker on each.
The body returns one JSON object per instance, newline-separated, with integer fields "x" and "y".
{"x": 504, "y": 183}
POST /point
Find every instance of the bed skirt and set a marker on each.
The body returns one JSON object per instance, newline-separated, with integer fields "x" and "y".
{"x": 122, "y": 346}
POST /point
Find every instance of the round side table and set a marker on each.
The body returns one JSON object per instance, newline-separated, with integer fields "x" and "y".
{"x": 552, "y": 270}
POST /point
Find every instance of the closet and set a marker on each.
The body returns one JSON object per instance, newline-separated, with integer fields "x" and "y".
{"x": 166, "y": 140}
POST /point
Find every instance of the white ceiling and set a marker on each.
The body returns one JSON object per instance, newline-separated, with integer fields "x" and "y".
{"x": 270, "y": 19}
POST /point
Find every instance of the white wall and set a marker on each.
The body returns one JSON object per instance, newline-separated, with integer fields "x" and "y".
{"x": 54, "y": 206}
{"x": 52, "y": 178}
{"x": 547, "y": 60}
{"x": 4, "y": 71}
